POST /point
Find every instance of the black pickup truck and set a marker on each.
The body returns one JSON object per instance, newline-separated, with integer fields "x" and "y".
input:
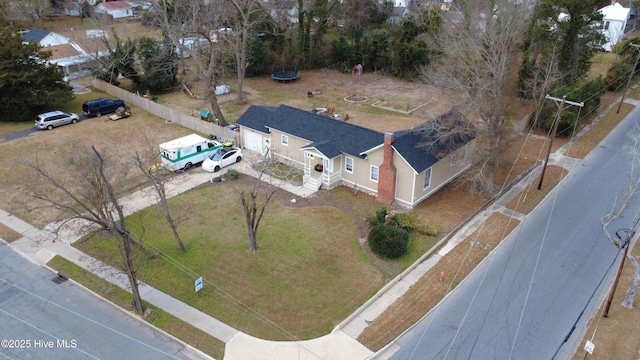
{"x": 97, "y": 107}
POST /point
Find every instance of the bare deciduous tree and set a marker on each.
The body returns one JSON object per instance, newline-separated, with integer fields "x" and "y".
{"x": 89, "y": 195}
{"x": 245, "y": 21}
{"x": 479, "y": 63}
{"x": 26, "y": 11}
{"x": 254, "y": 207}
{"x": 156, "y": 177}
{"x": 620, "y": 204}
{"x": 201, "y": 20}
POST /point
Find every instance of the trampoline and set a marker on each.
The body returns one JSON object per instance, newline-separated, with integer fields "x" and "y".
{"x": 285, "y": 74}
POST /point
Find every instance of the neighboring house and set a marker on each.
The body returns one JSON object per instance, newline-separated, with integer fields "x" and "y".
{"x": 397, "y": 14}
{"x": 614, "y": 21}
{"x": 75, "y": 61}
{"x": 72, "y": 8}
{"x": 395, "y": 167}
{"x": 44, "y": 38}
{"x": 117, "y": 9}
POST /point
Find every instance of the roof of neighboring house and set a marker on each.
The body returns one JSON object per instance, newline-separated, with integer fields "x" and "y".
{"x": 93, "y": 45}
{"x": 35, "y": 35}
{"x": 115, "y": 5}
{"x": 329, "y": 136}
{"x": 61, "y": 51}
{"x": 421, "y": 149}
{"x": 615, "y": 12}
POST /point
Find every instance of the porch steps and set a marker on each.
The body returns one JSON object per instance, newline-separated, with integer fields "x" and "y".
{"x": 314, "y": 181}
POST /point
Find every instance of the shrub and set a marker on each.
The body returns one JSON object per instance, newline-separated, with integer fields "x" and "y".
{"x": 411, "y": 224}
{"x": 567, "y": 122}
{"x": 589, "y": 92}
{"x": 233, "y": 174}
{"x": 617, "y": 76}
{"x": 379, "y": 218}
{"x": 388, "y": 241}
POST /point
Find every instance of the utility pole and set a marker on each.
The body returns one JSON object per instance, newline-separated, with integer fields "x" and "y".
{"x": 626, "y": 244}
{"x": 555, "y": 129}
{"x": 637, "y": 47}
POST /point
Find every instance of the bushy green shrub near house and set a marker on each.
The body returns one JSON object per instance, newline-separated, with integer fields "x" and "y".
{"x": 388, "y": 241}
{"x": 233, "y": 174}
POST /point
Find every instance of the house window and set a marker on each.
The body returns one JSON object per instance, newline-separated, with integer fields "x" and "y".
{"x": 606, "y": 25}
{"x": 373, "y": 175}
{"x": 285, "y": 140}
{"x": 427, "y": 179}
{"x": 348, "y": 165}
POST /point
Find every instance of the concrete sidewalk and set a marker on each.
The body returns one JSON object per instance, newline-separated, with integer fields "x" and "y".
{"x": 341, "y": 343}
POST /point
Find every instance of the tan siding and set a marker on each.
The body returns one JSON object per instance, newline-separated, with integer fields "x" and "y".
{"x": 290, "y": 152}
{"x": 404, "y": 179}
{"x": 442, "y": 172}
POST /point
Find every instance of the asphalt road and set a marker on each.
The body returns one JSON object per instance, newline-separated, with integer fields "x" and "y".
{"x": 40, "y": 319}
{"x": 532, "y": 298}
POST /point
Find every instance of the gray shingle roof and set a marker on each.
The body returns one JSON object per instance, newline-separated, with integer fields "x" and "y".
{"x": 326, "y": 134}
{"x": 411, "y": 144}
{"x": 407, "y": 144}
{"x": 332, "y": 137}
{"x": 35, "y": 35}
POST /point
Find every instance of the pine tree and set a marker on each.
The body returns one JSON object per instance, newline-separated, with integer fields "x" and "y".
{"x": 28, "y": 84}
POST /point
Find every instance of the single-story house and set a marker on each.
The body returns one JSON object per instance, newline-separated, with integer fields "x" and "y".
{"x": 614, "y": 21}
{"x": 44, "y": 38}
{"x": 117, "y": 9}
{"x": 396, "y": 167}
{"x": 73, "y": 59}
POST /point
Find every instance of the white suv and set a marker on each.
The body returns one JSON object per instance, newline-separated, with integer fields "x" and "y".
{"x": 52, "y": 119}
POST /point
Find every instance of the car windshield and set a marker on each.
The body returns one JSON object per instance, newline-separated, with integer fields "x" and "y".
{"x": 217, "y": 156}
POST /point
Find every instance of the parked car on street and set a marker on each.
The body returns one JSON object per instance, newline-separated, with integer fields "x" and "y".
{"x": 100, "y": 106}
{"x": 223, "y": 157}
{"x": 52, "y": 119}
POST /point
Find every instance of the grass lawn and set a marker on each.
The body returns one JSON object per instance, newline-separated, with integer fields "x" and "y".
{"x": 308, "y": 275}
{"x": 614, "y": 336}
{"x": 157, "y": 317}
{"x": 8, "y": 234}
{"x": 57, "y": 150}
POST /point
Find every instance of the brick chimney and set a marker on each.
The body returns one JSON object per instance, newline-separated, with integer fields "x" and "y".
{"x": 387, "y": 173}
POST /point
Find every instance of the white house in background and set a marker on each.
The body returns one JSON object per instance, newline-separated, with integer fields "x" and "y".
{"x": 117, "y": 9}
{"x": 44, "y": 38}
{"x": 614, "y": 21}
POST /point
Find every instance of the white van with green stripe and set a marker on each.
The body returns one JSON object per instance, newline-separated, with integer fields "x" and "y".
{"x": 187, "y": 151}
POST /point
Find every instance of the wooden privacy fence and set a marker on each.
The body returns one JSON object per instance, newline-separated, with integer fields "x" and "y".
{"x": 169, "y": 114}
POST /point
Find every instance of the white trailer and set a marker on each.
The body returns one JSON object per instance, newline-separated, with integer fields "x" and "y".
{"x": 187, "y": 151}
